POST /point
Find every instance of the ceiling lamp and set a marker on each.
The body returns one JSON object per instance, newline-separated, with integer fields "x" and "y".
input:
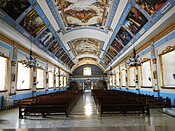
{"x": 30, "y": 61}
{"x": 133, "y": 60}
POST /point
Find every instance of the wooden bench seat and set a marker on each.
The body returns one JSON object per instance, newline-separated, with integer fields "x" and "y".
{"x": 46, "y": 105}
{"x": 109, "y": 102}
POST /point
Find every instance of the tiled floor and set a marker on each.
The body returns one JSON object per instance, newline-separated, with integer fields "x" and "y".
{"x": 84, "y": 117}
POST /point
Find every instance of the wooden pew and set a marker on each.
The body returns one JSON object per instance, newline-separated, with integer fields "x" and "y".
{"x": 112, "y": 102}
{"x": 45, "y": 105}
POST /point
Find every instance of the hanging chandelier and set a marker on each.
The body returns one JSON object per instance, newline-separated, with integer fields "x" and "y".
{"x": 30, "y": 61}
{"x": 133, "y": 60}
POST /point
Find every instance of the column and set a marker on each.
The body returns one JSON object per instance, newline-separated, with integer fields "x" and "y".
{"x": 154, "y": 68}
{"x": 13, "y": 72}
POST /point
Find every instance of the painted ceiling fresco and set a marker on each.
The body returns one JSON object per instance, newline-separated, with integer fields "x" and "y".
{"x": 83, "y": 12}
{"x": 14, "y": 8}
{"x": 28, "y": 18}
{"x": 86, "y": 46}
{"x": 45, "y": 37}
{"x": 151, "y": 6}
{"x": 33, "y": 23}
{"x": 132, "y": 24}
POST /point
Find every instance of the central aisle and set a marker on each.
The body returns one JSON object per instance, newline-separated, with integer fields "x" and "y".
{"x": 85, "y": 106}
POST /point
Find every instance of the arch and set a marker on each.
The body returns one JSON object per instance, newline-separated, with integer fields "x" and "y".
{"x": 96, "y": 70}
{"x": 84, "y": 62}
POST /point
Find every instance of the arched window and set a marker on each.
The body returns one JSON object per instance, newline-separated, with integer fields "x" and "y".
{"x": 87, "y": 71}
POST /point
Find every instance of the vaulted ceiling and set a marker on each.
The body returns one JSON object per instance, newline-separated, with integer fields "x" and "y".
{"x": 76, "y": 32}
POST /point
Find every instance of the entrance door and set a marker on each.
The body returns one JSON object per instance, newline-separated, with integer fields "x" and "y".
{"x": 87, "y": 84}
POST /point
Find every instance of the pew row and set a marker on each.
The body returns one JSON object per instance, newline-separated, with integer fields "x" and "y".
{"x": 58, "y": 103}
{"x": 110, "y": 102}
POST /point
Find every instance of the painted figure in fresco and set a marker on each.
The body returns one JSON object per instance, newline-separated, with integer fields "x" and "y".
{"x": 116, "y": 45}
{"x": 14, "y": 8}
{"x": 83, "y": 12}
{"x": 45, "y": 37}
{"x": 123, "y": 36}
{"x": 151, "y": 6}
{"x": 33, "y": 23}
{"x": 135, "y": 20}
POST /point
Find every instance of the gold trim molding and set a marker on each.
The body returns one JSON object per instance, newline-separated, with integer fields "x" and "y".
{"x": 144, "y": 59}
{"x": 18, "y": 46}
{"x": 1, "y": 54}
{"x": 165, "y": 32}
{"x": 168, "y": 49}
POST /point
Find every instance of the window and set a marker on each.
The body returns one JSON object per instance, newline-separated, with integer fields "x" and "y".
{"x": 123, "y": 76}
{"x": 113, "y": 80}
{"x": 117, "y": 78}
{"x": 40, "y": 78}
{"x": 65, "y": 82}
{"x": 61, "y": 81}
{"x": 57, "y": 81}
{"x": 132, "y": 76}
{"x": 3, "y": 73}
{"x": 87, "y": 71}
{"x": 110, "y": 79}
{"x": 23, "y": 80}
{"x": 146, "y": 74}
{"x": 168, "y": 69}
{"x": 51, "y": 80}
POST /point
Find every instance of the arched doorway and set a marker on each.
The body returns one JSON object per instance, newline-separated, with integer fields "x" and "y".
{"x": 73, "y": 85}
{"x": 87, "y": 84}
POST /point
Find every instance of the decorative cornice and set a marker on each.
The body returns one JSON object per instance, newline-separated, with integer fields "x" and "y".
{"x": 165, "y": 32}
{"x": 142, "y": 60}
{"x": 18, "y": 46}
{"x": 168, "y": 49}
{"x": 1, "y": 54}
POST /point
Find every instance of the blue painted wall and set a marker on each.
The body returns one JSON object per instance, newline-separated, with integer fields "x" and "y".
{"x": 29, "y": 95}
{"x": 95, "y": 70}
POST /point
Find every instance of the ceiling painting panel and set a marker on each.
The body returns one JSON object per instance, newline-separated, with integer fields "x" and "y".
{"x": 33, "y": 23}
{"x": 64, "y": 57}
{"x": 54, "y": 46}
{"x": 45, "y": 37}
{"x": 86, "y": 46}
{"x": 135, "y": 20}
{"x": 59, "y": 53}
{"x": 106, "y": 60}
{"x": 117, "y": 45}
{"x": 123, "y": 36}
{"x": 83, "y": 12}
{"x": 14, "y": 8}
{"x": 151, "y": 6}
{"x": 112, "y": 52}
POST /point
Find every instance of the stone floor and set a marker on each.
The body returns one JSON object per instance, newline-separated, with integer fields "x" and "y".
{"x": 84, "y": 117}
